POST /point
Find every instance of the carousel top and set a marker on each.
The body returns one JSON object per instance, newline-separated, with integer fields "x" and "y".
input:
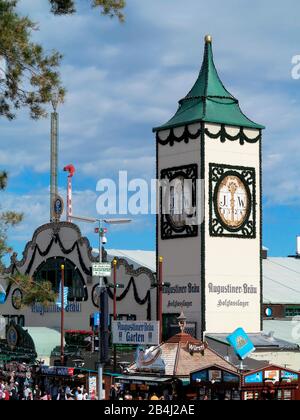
{"x": 208, "y": 100}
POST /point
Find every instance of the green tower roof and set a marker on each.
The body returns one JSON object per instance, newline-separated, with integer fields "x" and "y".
{"x": 208, "y": 100}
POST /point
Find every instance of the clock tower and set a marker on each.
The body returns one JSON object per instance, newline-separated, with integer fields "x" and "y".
{"x": 210, "y": 219}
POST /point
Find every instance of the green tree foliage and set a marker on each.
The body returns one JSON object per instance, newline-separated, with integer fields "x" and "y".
{"x": 7, "y": 219}
{"x": 29, "y": 77}
{"x": 34, "y": 292}
{"x": 112, "y": 8}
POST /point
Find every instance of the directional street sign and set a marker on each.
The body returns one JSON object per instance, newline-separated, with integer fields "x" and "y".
{"x": 101, "y": 270}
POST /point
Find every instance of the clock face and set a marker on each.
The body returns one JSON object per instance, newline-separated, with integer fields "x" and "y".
{"x": 95, "y": 295}
{"x": 16, "y": 299}
{"x": 12, "y": 337}
{"x": 233, "y": 201}
{"x": 180, "y": 202}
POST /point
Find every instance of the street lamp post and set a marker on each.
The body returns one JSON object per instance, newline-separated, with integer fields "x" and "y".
{"x": 62, "y": 286}
{"x": 101, "y": 288}
{"x": 160, "y": 285}
{"x": 115, "y": 262}
{"x": 100, "y": 365}
{"x": 160, "y": 298}
{"x": 115, "y": 310}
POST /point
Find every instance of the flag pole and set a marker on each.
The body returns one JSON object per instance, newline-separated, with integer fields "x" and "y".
{"x": 62, "y": 348}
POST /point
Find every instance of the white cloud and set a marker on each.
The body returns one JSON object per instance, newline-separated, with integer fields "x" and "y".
{"x": 124, "y": 79}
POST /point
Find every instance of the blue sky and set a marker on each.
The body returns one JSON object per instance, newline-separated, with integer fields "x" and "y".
{"x": 122, "y": 80}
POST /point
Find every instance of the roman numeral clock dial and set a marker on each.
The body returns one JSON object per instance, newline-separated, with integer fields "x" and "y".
{"x": 232, "y": 198}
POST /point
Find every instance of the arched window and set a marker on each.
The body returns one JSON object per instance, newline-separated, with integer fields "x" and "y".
{"x": 50, "y": 271}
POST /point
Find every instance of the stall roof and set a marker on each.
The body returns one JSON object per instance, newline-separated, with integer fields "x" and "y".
{"x": 281, "y": 280}
{"x": 259, "y": 340}
{"x": 282, "y": 329}
{"x": 179, "y": 362}
{"x": 143, "y": 378}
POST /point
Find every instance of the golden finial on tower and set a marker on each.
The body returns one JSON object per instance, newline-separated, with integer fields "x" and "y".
{"x": 208, "y": 39}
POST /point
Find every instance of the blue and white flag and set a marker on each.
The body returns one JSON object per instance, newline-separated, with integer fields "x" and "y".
{"x": 241, "y": 343}
{"x": 66, "y": 292}
{"x": 2, "y": 295}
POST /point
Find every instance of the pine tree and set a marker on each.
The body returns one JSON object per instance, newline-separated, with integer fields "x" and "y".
{"x": 7, "y": 219}
{"x": 29, "y": 77}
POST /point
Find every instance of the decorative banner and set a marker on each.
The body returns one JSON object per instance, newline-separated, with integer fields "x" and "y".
{"x": 56, "y": 371}
{"x": 272, "y": 375}
{"x": 231, "y": 378}
{"x": 241, "y": 343}
{"x": 141, "y": 333}
{"x": 289, "y": 376}
{"x": 93, "y": 387}
{"x": 215, "y": 375}
{"x": 201, "y": 376}
{"x": 2, "y": 295}
{"x": 193, "y": 348}
{"x": 254, "y": 378}
{"x": 150, "y": 360}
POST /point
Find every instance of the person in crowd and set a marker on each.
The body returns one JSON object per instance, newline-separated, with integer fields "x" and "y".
{"x": 166, "y": 395}
{"x": 27, "y": 392}
{"x": 61, "y": 394}
{"x": 45, "y": 397}
{"x": 1, "y": 390}
{"x": 154, "y": 397}
{"x": 6, "y": 393}
{"x": 128, "y": 396}
{"x": 113, "y": 393}
{"x": 54, "y": 392}
{"x": 30, "y": 396}
{"x": 174, "y": 396}
{"x": 14, "y": 392}
{"x": 85, "y": 395}
{"x": 37, "y": 393}
{"x": 119, "y": 391}
{"x": 79, "y": 395}
{"x": 75, "y": 393}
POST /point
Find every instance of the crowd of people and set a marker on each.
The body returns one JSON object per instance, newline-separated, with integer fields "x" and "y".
{"x": 53, "y": 391}
{"x": 13, "y": 391}
{"x": 117, "y": 392}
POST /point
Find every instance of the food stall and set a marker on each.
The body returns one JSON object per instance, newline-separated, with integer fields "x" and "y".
{"x": 271, "y": 383}
{"x": 216, "y": 383}
{"x": 166, "y": 369}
